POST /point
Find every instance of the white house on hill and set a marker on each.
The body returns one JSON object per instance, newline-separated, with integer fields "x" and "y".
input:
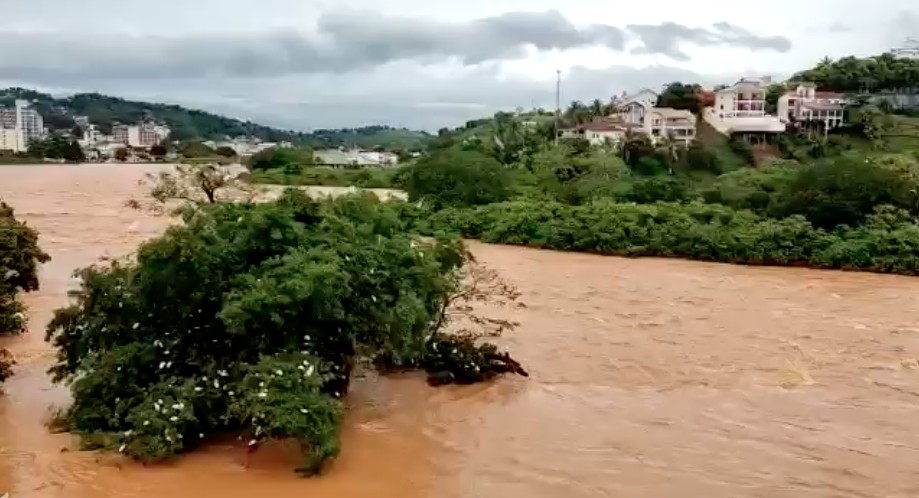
{"x": 805, "y": 103}
{"x": 597, "y": 133}
{"x": 658, "y": 122}
{"x": 644, "y": 96}
{"x": 741, "y": 108}
{"x": 675, "y": 124}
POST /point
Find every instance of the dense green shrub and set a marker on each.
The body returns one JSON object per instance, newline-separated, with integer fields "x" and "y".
{"x": 331, "y": 177}
{"x": 698, "y": 157}
{"x": 19, "y": 260}
{"x": 288, "y": 159}
{"x": 743, "y": 150}
{"x": 844, "y": 190}
{"x": 453, "y": 177}
{"x": 574, "y": 177}
{"x": 250, "y": 319}
{"x": 886, "y": 243}
{"x": 658, "y": 188}
{"x": 756, "y": 189}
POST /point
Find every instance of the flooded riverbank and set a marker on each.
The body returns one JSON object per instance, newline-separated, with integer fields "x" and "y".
{"x": 649, "y": 377}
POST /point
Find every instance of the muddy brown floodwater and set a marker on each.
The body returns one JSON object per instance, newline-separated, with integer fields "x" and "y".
{"x": 649, "y": 378}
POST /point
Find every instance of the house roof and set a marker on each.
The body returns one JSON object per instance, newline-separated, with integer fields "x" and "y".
{"x": 750, "y": 83}
{"x": 671, "y": 113}
{"x": 828, "y": 95}
{"x": 601, "y": 126}
{"x": 628, "y": 99}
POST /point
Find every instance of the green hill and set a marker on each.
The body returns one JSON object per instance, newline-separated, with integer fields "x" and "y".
{"x": 192, "y": 124}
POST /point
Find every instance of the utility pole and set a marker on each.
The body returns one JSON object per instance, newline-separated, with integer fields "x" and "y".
{"x": 558, "y": 101}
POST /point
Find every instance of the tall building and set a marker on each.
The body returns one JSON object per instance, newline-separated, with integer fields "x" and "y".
{"x": 25, "y": 121}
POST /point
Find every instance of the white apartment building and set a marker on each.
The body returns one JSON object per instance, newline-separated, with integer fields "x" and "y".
{"x": 741, "y": 108}
{"x": 25, "y": 121}
{"x": 805, "y": 103}
{"x": 746, "y": 98}
{"x": 144, "y": 135}
{"x": 9, "y": 140}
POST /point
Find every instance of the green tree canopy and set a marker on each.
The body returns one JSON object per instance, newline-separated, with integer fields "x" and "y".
{"x": 871, "y": 74}
{"x": 196, "y": 150}
{"x": 682, "y": 96}
{"x": 846, "y": 190}
{"x": 457, "y": 178}
{"x": 290, "y": 159}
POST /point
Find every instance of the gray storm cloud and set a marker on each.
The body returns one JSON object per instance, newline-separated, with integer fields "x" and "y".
{"x": 342, "y": 42}
{"x": 667, "y": 39}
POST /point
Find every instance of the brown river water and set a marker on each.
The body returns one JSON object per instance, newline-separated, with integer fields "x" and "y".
{"x": 649, "y": 378}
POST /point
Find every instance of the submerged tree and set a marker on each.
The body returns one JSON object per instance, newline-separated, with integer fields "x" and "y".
{"x": 250, "y": 318}
{"x": 194, "y": 184}
{"x": 19, "y": 260}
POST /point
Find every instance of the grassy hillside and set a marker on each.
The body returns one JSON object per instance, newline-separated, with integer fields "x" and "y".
{"x": 718, "y": 143}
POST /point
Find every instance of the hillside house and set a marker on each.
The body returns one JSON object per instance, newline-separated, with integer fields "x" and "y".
{"x": 597, "y": 133}
{"x": 805, "y": 103}
{"x": 741, "y": 109}
{"x": 657, "y": 122}
{"x": 678, "y": 125}
{"x": 645, "y": 97}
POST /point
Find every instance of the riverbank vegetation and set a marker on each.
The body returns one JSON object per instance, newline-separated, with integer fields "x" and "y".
{"x": 848, "y": 199}
{"x": 251, "y": 319}
{"x": 19, "y": 260}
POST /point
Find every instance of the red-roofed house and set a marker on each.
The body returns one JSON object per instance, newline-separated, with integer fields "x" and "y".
{"x": 805, "y": 103}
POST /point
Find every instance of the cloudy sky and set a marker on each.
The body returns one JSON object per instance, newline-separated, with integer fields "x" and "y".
{"x": 420, "y": 63}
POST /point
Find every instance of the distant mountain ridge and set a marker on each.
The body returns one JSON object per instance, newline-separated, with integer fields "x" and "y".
{"x": 191, "y": 124}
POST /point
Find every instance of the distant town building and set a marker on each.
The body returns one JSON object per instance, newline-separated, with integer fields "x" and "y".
{"x": 25, "y": 121}
{"x": 9, "y": 140}
{"x": 339, "y": 157}
{"x": 805, "y": 103}
{"x": 140, "y": 136}
{"x": 909, "y": 50}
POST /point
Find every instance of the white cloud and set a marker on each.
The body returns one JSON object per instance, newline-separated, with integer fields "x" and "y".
{"x": 414, "y": 62}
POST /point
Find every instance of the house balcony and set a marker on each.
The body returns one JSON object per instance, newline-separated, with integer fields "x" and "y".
{"x": 749, "y": 106}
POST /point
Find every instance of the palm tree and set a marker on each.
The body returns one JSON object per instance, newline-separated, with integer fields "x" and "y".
{"x": 596, "y": 108}
{"x": 671, "y": 149}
